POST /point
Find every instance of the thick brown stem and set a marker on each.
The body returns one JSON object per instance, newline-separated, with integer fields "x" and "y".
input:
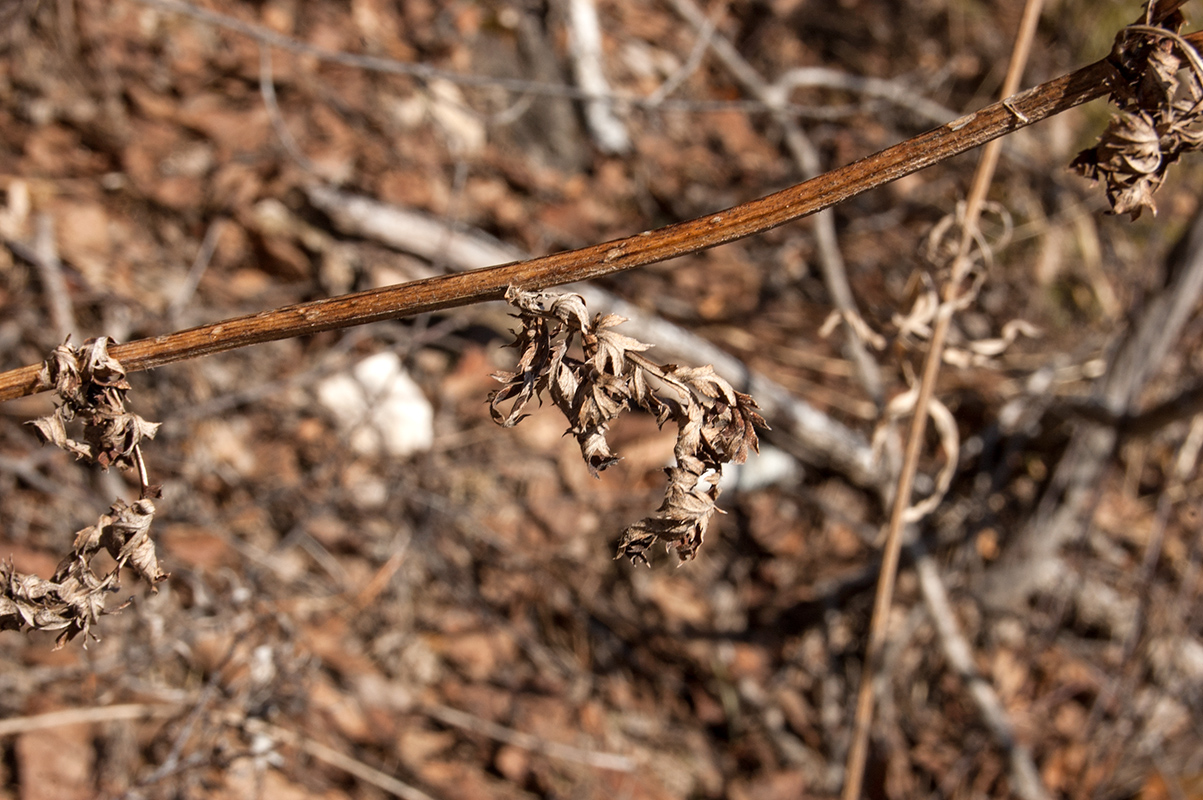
{"x": 467, "y": 288}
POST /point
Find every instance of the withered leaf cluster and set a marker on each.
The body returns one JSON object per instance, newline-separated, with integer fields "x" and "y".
{"x": 1160, "y": 115}
{"x": 74, "y": 598}
{"x": 92, "y": 389}
{"x": 715, "y": 423}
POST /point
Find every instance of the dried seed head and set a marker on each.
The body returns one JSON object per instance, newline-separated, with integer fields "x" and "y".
{"x": 1160, "y": 117}
{"x": 92, "y": 387}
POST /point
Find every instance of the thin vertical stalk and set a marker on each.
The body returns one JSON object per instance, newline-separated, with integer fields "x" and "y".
{"x": 859, "y": 750}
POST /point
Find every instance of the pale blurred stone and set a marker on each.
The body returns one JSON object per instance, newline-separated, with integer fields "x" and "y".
{"x": 380, "y": 407}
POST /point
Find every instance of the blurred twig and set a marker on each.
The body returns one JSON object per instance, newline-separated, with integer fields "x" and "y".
{"x": 427, "y": 72}
{"x": 806, "y": 158}
{"x": 351, "y": 766}
{"x": 893, "y": 91}
{"x": 536, "y": 744}
{"x": 267, "y": 90}
{"x": 192, "y": 280}
{"x": 1025, "y": 778}
{"x": 50, "y": 269}
{"x": 585, "y": 48}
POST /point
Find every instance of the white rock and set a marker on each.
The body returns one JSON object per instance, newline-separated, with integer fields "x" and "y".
{"x": 379, "y": 407}
{"x": 771, "y": 467}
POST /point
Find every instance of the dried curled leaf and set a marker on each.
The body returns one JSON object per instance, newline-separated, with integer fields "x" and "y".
{"x": 1160, "y": 117}
{"x": 92, "y": 387}
{"x": 715, "y": 423}
{"x": 74, "y": 598}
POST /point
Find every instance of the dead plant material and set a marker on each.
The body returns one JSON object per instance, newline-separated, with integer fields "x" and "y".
{"x": 1160, "y": 116}
{"x": 715, "y": 423}
{"x": 74, "y": 598}
{"x": 92, "y": 388}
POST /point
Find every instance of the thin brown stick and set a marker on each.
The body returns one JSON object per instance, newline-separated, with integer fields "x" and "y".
{"x": 757, "y": 216}
{"x": 859, "y": 750}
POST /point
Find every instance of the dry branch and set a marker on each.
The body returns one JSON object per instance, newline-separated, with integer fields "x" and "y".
{"x": 645, "y": 248}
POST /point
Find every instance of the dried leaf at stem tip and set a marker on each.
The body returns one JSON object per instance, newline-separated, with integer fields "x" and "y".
{"x": 1159, "y": 118}
{"x": 92, "y": 387}
{"x": 715, "y": 423}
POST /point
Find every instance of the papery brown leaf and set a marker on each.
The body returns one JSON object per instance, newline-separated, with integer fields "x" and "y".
{"x": 596, "y": 451}
{"x": 127, "y": 538}
{"x": 1129, "y": 161}
{"x": 60, "y": 372}
{"x": 1159, "y": 79}
{"x": 612, "y": 348}
{"x": 92, "y": 387}
{"x": 704, "y": 381}
{"x": 680, "y": 522}
{"x": 10, "y": 615}
{"x": 568, "y": 308}
{"x": 642, "y": 395}
{"x": 598, "y": 401}
{"x": 715, "y": 423}
{"x": 52, "y": 429}
{"x": 737, "y": 435}
{"x": 98, "y": 367}
{"x": 534, "y": 340}
{"x": 564, "y": 382}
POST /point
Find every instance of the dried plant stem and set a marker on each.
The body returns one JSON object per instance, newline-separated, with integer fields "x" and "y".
{"x": 349, "y": 765}
{"x": 757, "y": 216}
{"x": 78, "y": 716}
{"x": 469, "y": 722}
{"x": 859, "y": 749}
